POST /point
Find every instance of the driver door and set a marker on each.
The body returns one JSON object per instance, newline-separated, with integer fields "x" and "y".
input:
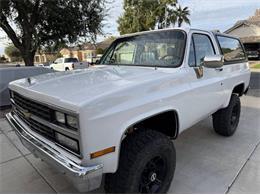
{"x": 206, "y": 83}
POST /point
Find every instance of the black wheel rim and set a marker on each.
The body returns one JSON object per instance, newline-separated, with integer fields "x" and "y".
{"x": 152, "y": 178}
{"x": 234, "y": 115}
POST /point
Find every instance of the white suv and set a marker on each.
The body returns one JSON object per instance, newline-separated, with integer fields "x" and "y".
{"x": 115, "y": 121}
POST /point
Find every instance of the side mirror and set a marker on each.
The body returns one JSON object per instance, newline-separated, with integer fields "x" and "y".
{"x": 213, "y": 61}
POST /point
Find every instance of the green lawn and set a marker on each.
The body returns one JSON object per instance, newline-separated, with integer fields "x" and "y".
{"x": 257, "y": 66}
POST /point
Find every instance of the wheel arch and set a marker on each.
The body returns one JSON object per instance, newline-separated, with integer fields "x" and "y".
{"x": 166, "y": 122}
{"x": 239, "y": 89}
{"x": 173, "y": 114}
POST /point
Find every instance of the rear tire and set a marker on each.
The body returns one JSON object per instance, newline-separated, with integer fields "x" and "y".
{"x": 225, "y": 121}
{"x": 147, "y": 164}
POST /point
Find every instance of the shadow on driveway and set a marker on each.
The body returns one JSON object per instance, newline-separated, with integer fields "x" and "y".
{"x": 254, "y": 84}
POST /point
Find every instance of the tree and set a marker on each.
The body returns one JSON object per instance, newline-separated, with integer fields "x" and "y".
{"x": 138, "y": 16}
{"x": 182, "y": 15}
{"x": 100, "y": 51}
{"x": 165, "y": 13}
{"x": 2, "y": 59}
{"x": 54, "y": 48}
{"x": 34, "y": 23}
{"x": 13, "y": 53}
{"x": 142, "y": 15}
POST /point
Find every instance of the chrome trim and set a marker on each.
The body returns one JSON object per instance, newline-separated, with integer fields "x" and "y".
{"x": 52, "y": 107}
{"x": 49, "y": 152}
{"x": 49, "y": 105}
{"x": 69, "y": 132}
{"x": 75, "y": 134}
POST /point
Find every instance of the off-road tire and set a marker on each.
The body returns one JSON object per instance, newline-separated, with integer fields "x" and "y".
{"x": 225, "y": 121}
{"x": 137, "y": 151}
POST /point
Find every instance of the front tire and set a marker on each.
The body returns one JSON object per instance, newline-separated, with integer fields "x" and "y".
{"x": 225, "y": 121}
{"x": 147, "y": 164}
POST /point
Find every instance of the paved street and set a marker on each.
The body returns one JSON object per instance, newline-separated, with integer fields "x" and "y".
{"x": 206, "y": 162}
{"x": 10, "y": 65}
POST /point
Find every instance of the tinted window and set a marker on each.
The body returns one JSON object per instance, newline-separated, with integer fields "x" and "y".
{"x": 164, "y": 49}
{"x": 203, "y": 47}
{"x": 71, "y": 60}
{"x": 231, "y": 48}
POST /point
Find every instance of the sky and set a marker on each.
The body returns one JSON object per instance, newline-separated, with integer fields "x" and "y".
{"x": 205, "y": 14}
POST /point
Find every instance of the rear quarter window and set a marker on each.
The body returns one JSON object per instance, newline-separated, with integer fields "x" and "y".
{"x": 231, "y": 49}
{"x": 71, "y": 60}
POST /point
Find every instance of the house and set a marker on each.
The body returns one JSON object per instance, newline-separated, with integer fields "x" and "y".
{"x": 248, "y": 31}
{"x": 44, "y": 57}
{"x": 87, "y": 52}
{"x": 83, "y": 52}
{"x": 71, "y": 52}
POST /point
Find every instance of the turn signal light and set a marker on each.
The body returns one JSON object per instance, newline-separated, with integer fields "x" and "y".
{"x": 102, "y": 152}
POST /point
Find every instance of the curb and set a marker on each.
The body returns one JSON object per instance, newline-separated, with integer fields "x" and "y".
{"x": 254, "y": 70}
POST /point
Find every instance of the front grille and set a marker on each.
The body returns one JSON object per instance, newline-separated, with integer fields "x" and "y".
{"x": 41, "y": 129}
{"x": 36, "y": 109}
{"x": 22, "y": 106}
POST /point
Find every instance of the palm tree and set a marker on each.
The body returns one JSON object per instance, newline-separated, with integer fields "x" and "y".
{"x": 182, "y": 15}
{"x": 164, "y": 13}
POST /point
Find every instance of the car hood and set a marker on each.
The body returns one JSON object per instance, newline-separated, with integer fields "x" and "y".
{"x": 73, "y": 88}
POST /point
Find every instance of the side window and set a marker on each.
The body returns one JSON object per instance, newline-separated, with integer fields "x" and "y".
{"x": 192, "y": 59}
{"x": 231, "y": 49}
{"x": 203, "y": 47}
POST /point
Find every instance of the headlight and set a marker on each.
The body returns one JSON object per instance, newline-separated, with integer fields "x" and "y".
{"x": 72, "y": 121}
{"x": 66, "y": 120}
{"x": 67, "y": 142}
{"x": 60, "y": 117}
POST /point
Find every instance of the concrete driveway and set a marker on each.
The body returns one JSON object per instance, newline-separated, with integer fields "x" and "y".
{"x": 206, "y": 162}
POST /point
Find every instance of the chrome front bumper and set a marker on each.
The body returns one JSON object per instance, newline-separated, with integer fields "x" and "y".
{"x": 84, "y": 178}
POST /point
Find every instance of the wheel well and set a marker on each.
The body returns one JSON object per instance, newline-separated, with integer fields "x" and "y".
{"x": 239, "y": 89}
{"x": 166, "y": 123}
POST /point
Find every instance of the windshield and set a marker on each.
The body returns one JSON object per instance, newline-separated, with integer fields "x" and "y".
{"x": 163, "y": 49}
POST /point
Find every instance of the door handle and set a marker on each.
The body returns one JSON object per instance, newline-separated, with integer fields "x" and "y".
{"x": 219, "y": 69}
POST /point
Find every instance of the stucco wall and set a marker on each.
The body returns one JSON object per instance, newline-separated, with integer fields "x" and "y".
{"x": 10, "y": 74}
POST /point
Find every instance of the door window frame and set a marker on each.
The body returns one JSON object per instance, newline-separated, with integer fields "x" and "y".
{"x": 194, "y": 48}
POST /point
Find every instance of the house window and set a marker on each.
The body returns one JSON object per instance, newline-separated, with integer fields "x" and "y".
{"x": 88, "y": 55}
{"x": 37, "y": 58}
{"x": 42, "y": 59}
